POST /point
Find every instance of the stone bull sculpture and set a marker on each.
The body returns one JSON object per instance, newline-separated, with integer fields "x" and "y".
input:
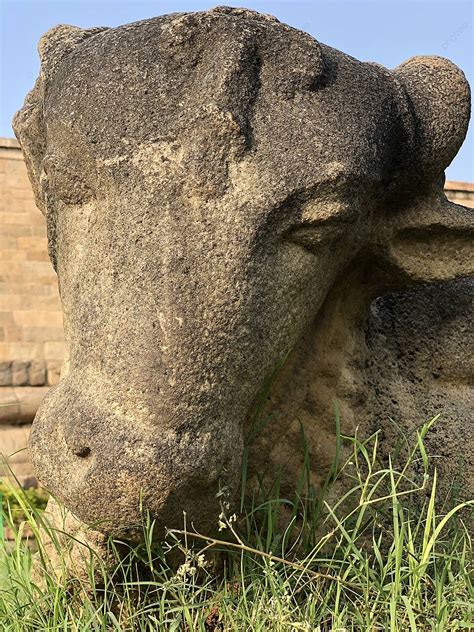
{"x": 210, "y": 180}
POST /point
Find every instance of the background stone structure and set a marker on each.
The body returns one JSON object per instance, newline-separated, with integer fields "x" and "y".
{"x": 31, "y": 335}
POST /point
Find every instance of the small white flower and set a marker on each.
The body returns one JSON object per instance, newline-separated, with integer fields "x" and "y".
{"x": 201, "y": 561}
{"x": 221, "y": 522}
{"x": 185, "y": 569}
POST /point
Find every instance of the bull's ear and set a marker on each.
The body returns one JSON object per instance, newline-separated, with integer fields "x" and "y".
{"x": 28, "y": 123}
{"x": 429, "y": 240}
{"x": 439, "y": 99}
{"x": 58, "y": 42}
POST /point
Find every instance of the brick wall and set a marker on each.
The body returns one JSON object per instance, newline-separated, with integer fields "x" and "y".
{"x": 31, "y": 335}
{"x": 460, "y": 193}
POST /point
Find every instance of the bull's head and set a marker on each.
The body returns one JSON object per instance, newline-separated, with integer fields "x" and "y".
{"x": 206, "y": 178}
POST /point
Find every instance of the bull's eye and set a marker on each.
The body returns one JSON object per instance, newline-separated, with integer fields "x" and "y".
{"x": 323, "y": 223}
{"x": 313, "y": 237}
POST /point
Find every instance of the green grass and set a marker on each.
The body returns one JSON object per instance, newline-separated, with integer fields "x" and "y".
{"x": 12, "y": 503}
{"x": 379, "y": 557}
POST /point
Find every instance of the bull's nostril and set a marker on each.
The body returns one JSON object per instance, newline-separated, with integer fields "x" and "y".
{"x": 82, "y": 452}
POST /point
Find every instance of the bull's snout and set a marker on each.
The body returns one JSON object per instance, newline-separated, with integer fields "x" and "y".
{"x": 80, "y": 450}
{"x": 77, "y": 441}
{"x": 110, "y": 469}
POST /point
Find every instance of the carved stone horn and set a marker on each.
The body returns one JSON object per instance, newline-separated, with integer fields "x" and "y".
{"x": 429, "y": 238}
{"x": 439, "y": 99}
{"x": 58, "y": 42}
{"x": 28, "y": 124}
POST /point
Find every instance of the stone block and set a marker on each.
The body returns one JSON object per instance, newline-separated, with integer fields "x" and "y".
{"x": 37, "y": 255}
{"x": 43, "y": 303}
{"x": 37, "y": 373}
{"x": 15, "y": 460}
{"x": 9, "y": 404}
{"x": 40, "y": 289}
{"x": 18, "y": 404}
{"x": 36, "y": 218}
{"x": 33, "y": 243}
{"x": 38, "y": 231}
{"x": 23, "y": 351}
{"x": 29, "y": 398}
{"x": 5, "y": 373}
{"x": 8, "y": 242}
{"x": 37, "y": 318}
{"x": 19, "y": 372}
{"x": 53, "y": 372}
{"x": 17, "y": 230}
{"x": 13, "y": 442}
{"x": 54, "y": 351}
{"x": 13, "y": 255}
{"x": 9, "y": 301}
{"x": 42, "y": 334}
{"x": 12, "y": 333}
{"x": 16, "y": 218}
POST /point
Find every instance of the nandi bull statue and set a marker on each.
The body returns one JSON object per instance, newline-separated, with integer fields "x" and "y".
{"x": 212, "y": 182}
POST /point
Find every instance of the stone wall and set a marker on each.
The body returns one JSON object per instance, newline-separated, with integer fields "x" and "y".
{"x": 460, "y": 193}
{"x": 31, "y": 335}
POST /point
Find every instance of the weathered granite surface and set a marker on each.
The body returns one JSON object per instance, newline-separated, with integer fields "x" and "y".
{"x": 391, "y": 367}
{"x": 420, "y": 343}
{"x": 220, "y": 190}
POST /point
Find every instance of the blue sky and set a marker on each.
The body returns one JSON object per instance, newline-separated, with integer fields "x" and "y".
{"x": 385, "y": 31}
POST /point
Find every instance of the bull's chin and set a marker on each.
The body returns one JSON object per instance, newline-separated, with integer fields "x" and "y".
{"x": 126, "y": 516}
